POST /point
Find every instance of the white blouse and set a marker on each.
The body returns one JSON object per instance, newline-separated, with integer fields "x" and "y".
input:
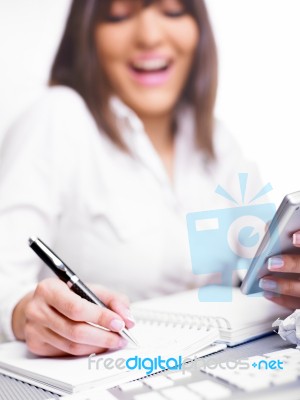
{"x": 114, "y": 218}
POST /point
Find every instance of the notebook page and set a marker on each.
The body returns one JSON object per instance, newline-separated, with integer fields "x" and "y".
{"x": 71, "y": 372}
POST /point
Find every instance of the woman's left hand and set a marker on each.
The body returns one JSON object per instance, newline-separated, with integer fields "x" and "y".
{"x": 285, "y": 292}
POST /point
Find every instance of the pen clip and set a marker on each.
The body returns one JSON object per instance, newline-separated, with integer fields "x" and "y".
{"x": 56, "y": 261}
{"x": 61, "y": 267}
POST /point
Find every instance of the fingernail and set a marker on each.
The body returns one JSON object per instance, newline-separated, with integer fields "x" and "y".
{"x": 296, "y": 239}
{"x": 123, "y": 342}
{"x": 117, "y": 325}
{"x": 275, "y": 263}
{"x": 267, "y": 284}
{"x": 125, "y": 312}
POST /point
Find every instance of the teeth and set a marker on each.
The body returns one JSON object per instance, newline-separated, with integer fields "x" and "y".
{"x": 151, "y": 65}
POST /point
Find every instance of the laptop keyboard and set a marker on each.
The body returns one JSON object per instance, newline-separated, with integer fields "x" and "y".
{"x": 260, "y": 379}
{"x": 264, "y": 371}
{"x": 220, "y": 381}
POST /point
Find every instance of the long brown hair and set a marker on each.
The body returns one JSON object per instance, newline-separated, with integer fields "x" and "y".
{"x": 77, "y": 65}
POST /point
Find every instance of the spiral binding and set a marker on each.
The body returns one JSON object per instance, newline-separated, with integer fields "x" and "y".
{"x": 190, "y": 321}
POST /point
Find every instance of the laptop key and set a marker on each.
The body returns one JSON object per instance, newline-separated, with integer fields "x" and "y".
{"x": 158, "y": 382}
{"x": 134, "y": 385}
{"x": 210, "y": 390}
{"x": 176, "y": 376}
{"x": 252, "y": 384}
{"x": 179, "y": 393}
{"x": 149, "y": 396}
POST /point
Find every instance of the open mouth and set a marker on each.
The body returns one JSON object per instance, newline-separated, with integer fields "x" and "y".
{"x": 151, "y": 72}
{"x": 150, "y": 66}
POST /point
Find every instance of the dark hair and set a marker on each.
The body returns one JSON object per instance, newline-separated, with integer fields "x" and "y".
{"x": 77, "y": 65}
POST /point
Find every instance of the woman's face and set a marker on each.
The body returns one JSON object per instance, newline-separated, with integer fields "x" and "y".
{"x": 147, "y": 53}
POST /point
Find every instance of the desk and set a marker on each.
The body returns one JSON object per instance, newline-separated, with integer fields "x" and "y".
{"x": 11, "y": 389}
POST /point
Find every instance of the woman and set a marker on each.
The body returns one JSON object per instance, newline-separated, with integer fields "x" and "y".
{"x": 104, "y": 168}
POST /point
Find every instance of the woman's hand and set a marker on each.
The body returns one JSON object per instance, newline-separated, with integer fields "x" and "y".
{"x": 285, "y": 292}
{"x": 52, "y": 320}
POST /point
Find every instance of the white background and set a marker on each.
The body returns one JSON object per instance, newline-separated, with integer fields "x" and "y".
{"x": 259, "y": 91}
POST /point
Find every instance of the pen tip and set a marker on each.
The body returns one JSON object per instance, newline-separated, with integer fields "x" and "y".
{"x": 127, "y": 336}
{"x": 30, "y": 241}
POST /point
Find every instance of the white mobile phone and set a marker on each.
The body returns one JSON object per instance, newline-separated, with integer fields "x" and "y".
{"x": 277, "y": 240}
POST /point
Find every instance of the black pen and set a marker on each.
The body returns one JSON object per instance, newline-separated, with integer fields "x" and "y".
{"x": 65, "y": 274}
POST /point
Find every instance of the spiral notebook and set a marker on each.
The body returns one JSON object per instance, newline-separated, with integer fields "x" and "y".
{"x": 241, "y": 319}
{"x": 164, "y": 337}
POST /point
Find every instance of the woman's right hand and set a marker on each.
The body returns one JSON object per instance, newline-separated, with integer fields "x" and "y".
{"x": 52, "y": 320}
